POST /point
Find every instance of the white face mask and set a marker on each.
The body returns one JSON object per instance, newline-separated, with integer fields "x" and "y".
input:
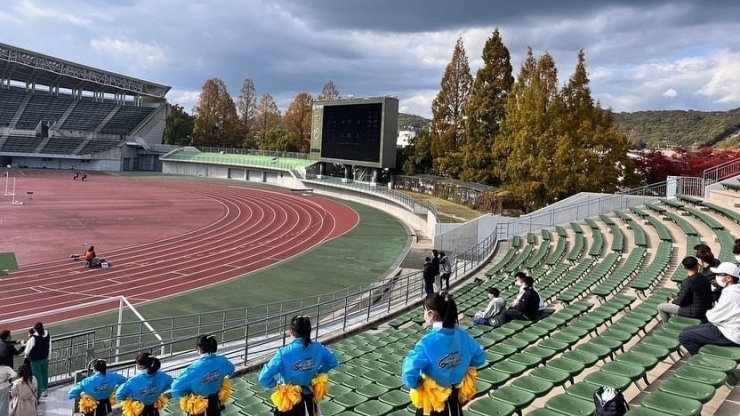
{"x": 720, "y": 281}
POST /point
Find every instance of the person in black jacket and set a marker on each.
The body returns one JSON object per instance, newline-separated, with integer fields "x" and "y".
{"x": 707, "y": 261}
{"x": 695, "y": 297}
{"x": 428, "y": 274}
{"x": 435, "y": 266}
{"x": 528, "y": 307}
{"x": 8, "y": 351}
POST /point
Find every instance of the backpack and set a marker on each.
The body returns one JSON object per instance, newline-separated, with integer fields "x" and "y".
{"x": 610, "y": 402}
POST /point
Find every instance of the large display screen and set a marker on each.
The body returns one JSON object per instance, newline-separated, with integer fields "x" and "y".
{"x": 352, "y": 132}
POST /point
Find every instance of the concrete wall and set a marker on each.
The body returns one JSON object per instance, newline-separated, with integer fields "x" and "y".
{"x": 460, "y": 237}
{"x": 236, "y": 173}
{"x": 67, "y": 164}
{"x": 153, "y": 130}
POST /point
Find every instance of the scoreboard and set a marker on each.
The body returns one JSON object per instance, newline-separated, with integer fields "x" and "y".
{"x": 358, "y": 132}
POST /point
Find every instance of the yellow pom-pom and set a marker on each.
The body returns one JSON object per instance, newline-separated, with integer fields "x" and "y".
{"x": 112, "y": 398}
{"x": 161, "y": 402}
{"x": 132, "y": 407}
{"x": 286, "y": 396}
{"x": 225, "y": 391}
{"x": 320, "y": 387}
{"x": 429, "y": 396}
{"x": 194, "y": 405}
{"x": 87, "y": 404}
{"x": 466, "y": 390}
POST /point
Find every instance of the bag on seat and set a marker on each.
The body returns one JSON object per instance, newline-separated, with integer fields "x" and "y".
{"x": 610, "y": 402}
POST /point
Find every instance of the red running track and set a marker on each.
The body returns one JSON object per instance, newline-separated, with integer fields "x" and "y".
{"x": 258, "y": 229}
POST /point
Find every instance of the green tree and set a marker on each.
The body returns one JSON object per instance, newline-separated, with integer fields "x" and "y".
{"x": 297, "y": 121}
{"x": 590, "y": 154}
{"x": 278, "y": 140}
{"x": 246, "y": 106}
{"x": 268, "y": 117}
{"x": 527, "y": 134}
{"x": 179, "y": 127}
{"x": 329, "y": 92}
{"x": 419, "y": 154}
{"x": 486, "y": 111}
{"x": 215, "y": 117}
{"x": 448, "y": 114}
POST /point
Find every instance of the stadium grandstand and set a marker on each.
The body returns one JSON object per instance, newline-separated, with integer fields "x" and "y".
{"x": 57, "y": 114}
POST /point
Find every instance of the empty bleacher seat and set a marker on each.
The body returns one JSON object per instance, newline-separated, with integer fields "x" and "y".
{"x": 126, "y": 119}
{"x": 87, "y": 115}
{"x": 10, "y": 100}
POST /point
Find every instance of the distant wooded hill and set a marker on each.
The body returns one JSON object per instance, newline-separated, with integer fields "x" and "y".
{"x": 657, "y": 129}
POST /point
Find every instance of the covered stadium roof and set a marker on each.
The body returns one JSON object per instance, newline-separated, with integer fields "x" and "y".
{"x": 18, "y": 64}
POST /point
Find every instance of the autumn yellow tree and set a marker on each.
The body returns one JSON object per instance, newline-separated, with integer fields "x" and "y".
{"x": 215, "y": 117}
{"x": 448, "y": 114}
{"x": 267, "y": 118}
{"x": 329, "y": 91}
{"x": 297, "y": 121}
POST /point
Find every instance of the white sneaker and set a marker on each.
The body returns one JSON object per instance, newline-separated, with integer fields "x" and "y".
{"x": 43, "y": 394}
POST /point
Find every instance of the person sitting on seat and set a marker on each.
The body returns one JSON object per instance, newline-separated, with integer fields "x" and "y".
{"x": 518, "y": 278}
{"x": 695, "y": 297}
{"x": 90, "y": 257}
{"x": 495, "y": 308}
{"x": 724, "y": 319}
{"x": 528, "y": 307}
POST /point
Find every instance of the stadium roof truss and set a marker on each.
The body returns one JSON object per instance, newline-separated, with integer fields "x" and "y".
{"x": 30, "y": 67}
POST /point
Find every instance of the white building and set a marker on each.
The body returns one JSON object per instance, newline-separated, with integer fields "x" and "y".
{"x": 404, "y": 136}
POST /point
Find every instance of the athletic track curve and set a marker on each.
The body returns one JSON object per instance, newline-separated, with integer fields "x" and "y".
{"x": 258, "y": 229}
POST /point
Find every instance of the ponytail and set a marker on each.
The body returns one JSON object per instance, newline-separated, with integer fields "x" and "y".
{"x": 445, "y": 306}
{"x": 301, "y": 325}
{"x": 207, "y": 344}
{"x": 151, "y": 364}
{"x": 100, "y": 366}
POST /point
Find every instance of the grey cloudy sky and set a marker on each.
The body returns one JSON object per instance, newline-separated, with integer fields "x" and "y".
{"x": 641, "y": 54}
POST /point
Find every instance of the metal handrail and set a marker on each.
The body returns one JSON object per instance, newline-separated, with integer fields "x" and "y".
{"x": 729, "y": 169}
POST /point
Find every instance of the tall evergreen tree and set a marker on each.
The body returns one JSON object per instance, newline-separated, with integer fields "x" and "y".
{"x": 591, "y": 154}
{"x": 486, "y": 111}
{"x": 329, "y": 91}
{"x": 419, "y": 154}
{"x": 246, "y": 106}
{"x": 215, "y": 117}
{"x": 267, "y": 118}
{"x": 448, "y": 114}
{"x": 527, "y": 134}
{"x": 179, "y": 127}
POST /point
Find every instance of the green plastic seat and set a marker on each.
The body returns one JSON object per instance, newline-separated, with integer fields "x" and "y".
{"x": 712, "y": 363}
{"x": 612, "y": 343}
{"x": 601, "y": 351}
{"x": 582, "y": 390}
{"x": 631, "y": 371}
{"x": 600, "y": 378}
{"x": 701, "y": 375}
{"x": 687, "y": 389}
{"x": 657, "y": 340}
{"x": 503, "y": 350}
{"x": 527, "y": 360}
{"x": 570, "y": 405}
{"x": 543, "y": 412}
{"x": 654, "y": 351}
{"x": 553, "y": 375}
{"x": 552, "y": 344}
{"x": 647, "y": 362}
{"x": 732, "y": 353}
{"x": 617, "y": 334}
{"x": 491, "y": 407}
{"x": 373, "y": 408}
{"x": 573, "y": 368}
{"x": 356, "y": 383}
{"x": 338, "y": 390}
{"x": 371, "y": 391}
{"x": 331, "y": 408}
{"x": 492, "y": 357}
{"x": 511, "y": 395}
{"x": 671, "y": 404}
{"x": 534, "y": 385}
{"x": 543, "y": 354}
{"x": 643, "y": 411}
{"x": 396, "y": 399}
{"x": 350, "y": 399}
{"x": 511, "y": 368}
{"x": 515, "y": 342}
{"x": 493, "y": 377}
{"x": 581, "y": 356}
{"x": 389, "y": 382}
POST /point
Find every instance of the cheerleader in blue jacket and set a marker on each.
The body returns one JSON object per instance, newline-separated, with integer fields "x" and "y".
{"x": 205, "y": 376}
{"x": 99, "y": 386}
{"x": 444, "y": 354}
{"x": 147, "y": 386}
{"x": 297, "y": 364}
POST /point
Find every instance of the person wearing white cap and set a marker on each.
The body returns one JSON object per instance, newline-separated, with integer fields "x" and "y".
{"x": 724, "y": 319}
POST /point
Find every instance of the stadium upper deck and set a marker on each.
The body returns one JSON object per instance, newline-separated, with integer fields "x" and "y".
{"x": 34, "y": 69}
